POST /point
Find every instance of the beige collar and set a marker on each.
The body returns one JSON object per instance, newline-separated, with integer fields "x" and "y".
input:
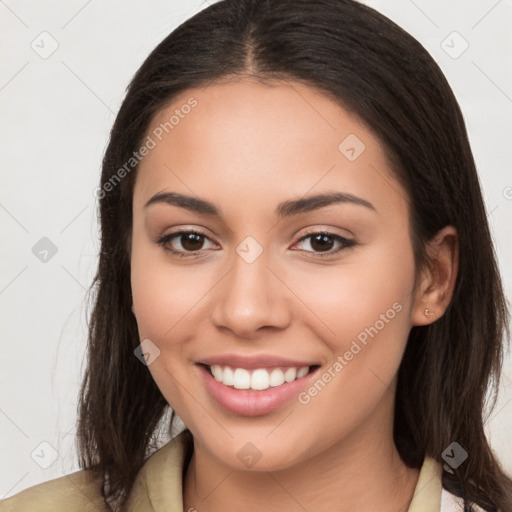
{"x": 159, "y": 484}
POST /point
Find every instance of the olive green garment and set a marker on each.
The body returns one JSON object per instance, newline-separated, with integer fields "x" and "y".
{"x": 158, "y": 487}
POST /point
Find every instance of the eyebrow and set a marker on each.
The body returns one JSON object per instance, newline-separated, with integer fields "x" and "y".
{"x": 284, "y": 209}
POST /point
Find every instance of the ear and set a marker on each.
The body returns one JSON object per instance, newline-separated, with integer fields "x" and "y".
{"x": 435, "y": 289}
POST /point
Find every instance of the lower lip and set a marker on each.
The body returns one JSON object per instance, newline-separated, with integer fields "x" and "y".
{"x": 246, "y": 402}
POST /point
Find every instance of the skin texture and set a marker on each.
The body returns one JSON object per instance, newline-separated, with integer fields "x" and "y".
{"x": 246, "y": 147}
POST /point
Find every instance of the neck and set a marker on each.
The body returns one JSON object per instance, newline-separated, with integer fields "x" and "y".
{"x": 363, "y": 472}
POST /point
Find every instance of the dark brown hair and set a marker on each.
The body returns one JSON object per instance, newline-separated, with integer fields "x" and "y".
{"x": 369, "y": 65}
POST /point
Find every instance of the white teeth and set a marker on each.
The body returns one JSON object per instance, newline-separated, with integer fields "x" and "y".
{"x": 276, "y": 377}
{"x": 260, "y": 379}
{"x": 242, "y": 379}
{"x": 228, "y": 377}
{"x": 302, "y": 372}
{"x": 290, "y": 374}
{"x": 217, "y": 372}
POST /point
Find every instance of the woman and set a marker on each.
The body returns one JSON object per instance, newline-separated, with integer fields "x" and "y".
{"x": 296, "y": 259}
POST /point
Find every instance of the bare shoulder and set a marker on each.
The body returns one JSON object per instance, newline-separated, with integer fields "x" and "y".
{"x": 79, "y": 491}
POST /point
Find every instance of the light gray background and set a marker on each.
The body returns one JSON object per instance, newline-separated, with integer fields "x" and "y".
{"x": 56, "y": 113}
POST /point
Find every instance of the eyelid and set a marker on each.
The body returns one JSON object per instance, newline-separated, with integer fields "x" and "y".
{"x": 346, "y": 243}
{"x": 165, "y": 239}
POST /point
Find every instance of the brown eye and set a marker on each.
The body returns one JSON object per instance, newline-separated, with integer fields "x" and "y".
{"x": 191, "y": 241}
{"x": 321, "y": 242}
{"x": 324, "y": 242}
{"x": 183, "y": 242}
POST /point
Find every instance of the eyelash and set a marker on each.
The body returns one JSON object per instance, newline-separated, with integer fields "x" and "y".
{"x": 164, "y": 241}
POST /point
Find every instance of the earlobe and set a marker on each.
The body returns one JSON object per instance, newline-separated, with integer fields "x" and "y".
{"x": 435, "y": 291}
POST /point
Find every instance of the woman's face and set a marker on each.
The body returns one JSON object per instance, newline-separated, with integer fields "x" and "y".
{"x": 278, "y": 279}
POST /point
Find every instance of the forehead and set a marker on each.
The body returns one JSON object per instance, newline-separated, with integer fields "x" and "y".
{"x": 272, "y": 139}
{"x": 249, "y": 111}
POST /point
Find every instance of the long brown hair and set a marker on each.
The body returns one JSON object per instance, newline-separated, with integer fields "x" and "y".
{"x": 371, "y": 66}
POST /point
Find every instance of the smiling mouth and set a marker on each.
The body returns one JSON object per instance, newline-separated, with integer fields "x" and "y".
{"x": 257, "y": 379}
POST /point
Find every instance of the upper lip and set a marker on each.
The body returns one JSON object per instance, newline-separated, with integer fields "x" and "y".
{"x": 253, "y": 362}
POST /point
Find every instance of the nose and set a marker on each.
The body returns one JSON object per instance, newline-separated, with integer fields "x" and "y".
{"x": 251, "y": 297}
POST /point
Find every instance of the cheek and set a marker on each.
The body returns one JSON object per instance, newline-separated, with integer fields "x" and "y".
{"x": 163, "y": 293}
{"x": 367, "y": 308}
{"x": 165, "y": 299}
{"x": 353, "y": 296}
